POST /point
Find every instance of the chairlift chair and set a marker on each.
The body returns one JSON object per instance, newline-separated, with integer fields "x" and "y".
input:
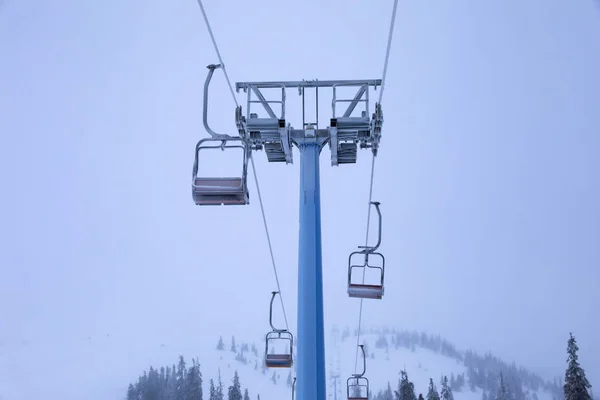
{"x": 358, "y": 384}
{"x": 275, "y": 359}
{"x": 364, "y": 290}
{"x": 214, "y": 191}
{"x": 358, "y": 388}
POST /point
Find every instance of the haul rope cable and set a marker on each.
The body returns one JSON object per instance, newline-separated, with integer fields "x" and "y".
{"x": 385, "y": 65}
{"x": 262, "y": 209}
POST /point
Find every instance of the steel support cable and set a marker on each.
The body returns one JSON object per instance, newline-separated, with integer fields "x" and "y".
{"x": 385, "y": 65}
{"x": 365, "y": 269}
{"x": 251, "y": 159}
{"x": 212, "y": 37}
{"x": 269, "y": 240}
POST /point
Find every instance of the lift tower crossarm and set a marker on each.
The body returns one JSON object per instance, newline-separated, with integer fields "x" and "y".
{"x": 345, "y": 133}
{"x": 307, "y": 83}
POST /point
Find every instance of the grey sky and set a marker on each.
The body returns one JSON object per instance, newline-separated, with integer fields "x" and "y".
{"x": 487, "y": 175}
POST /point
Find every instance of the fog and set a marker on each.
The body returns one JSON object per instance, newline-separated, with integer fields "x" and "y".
{"x": 487, "y": 173}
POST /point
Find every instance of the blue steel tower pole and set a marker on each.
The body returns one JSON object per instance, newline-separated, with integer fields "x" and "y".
{"x": 310, "y": 367}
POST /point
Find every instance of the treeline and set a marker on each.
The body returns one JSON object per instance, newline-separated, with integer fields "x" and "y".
{"x": 504, "y": 386}
{"x": 482, "y": 371}
{"x": 179, "y": 382}
{"x": 406, "y": 391}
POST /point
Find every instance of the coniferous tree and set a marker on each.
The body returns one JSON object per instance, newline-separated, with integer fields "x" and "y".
{"x": 235, "y": 390}
{"x": 421, "y": 396}
{"x": 246, "y": 395}
{"x": 171, "y": 388}
{"x": 513, "y": 385}
{"x": 194, "y": 382}
{"x": 152, "y": 385}
{"x": 219, "y": 392}
{"x": 131, "y": 394}
{"x": 138, "y": 390}
{"x": 460, "y": 382}
{"x": 388, "y": 394}
{"x": 576, "y": 384}
{"x": 212, "y": 392}
{"x": 432, "y": 393}
{"x": 446, "y": 391}
{"x": 406, "y": 389}
{"x": 220, "y": 345}
{"x": 233, "y": 346}
{"x": 180, "y": 389}
{"x": 163, "y": 384}
{"x": 502, "y": 391}
{"x": 142, "y": 385}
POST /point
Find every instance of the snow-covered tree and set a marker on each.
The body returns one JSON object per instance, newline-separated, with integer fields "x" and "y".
{"x": 219, "y": 395}
{"x": 432, "y": 393}
{"x": 576, "y": 384}
{"x": 220, "y": 345}
{"x": 131, "y": 394}
{"x": 246, "y": 395}
{"x": 152, "y": 386}
{"x": 446, "y": 393}
{"x": 171, "y": 389}
{"x": 180, "y": 388}
{"x": 212, "y": 391}
{"x": 388, "y": 394}
{"x": 406, "y": 389}
{"x": 502, "y": 391}
{"x": 194, "y": 382}
{"x": 235, "y": 390}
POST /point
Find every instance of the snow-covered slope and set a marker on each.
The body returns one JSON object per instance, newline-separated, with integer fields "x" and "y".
{"x": 385, "y": 363}
{"x": 102, "y": 368}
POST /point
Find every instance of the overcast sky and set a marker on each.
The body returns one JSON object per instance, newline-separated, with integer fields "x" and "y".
{"x": 487, "y": 173}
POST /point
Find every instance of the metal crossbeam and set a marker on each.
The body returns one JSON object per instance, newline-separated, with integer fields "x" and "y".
{"x": 355, "y": 101}
{"x": 345, "y": 134}
{"x": 311, "y": 83}
{"x": 264, "y": 102}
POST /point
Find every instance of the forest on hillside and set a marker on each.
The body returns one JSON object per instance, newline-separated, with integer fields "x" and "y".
{"x": 483, "y": 371}
{"x": 576, "y": 386}
{"x": 497, "y": 379}
{"x": 179, "y": 382}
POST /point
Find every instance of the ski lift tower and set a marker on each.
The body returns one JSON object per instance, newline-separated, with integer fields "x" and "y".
{"x": 344, "y": 135}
